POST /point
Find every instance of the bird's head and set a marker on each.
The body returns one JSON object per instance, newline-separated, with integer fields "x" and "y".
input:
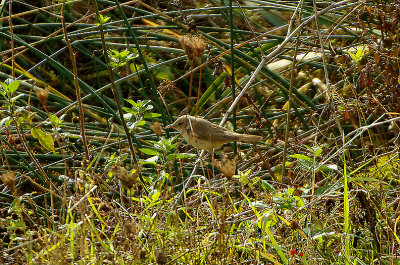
{"x": 181, "y": 123}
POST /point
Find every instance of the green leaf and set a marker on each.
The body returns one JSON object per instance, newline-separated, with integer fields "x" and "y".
{"x": 56, "y": 121}
{"x": 290, "y": 191}
{"x": 24, "y": 119}
{"x": 180, "y": 156}
{"x": 134, "y": 68}
{"x": 318, "y": 151}
{"x": 301, "y": 157}
{"x": 171, "y": 147}
{"x": 322, "y": 189}
{"x": 168, "y": 142}
{"x": 268, "y": 219}
{"x": 2, "y": 91}
{"x": 119, "y": 59}
{"x": 102, "y": 19}
{"x": 163, "y": 72}
{"x": 243, "y": 178}
{"x": 360, "y": 53}
{"x": 129, "y": 110}
{"x": 305, "y": 164}
{"x": 353, "y": 56}
{"x": 329, "y": 167}
{"x": 151, "y": 115}
{"x": 137, "y": 124}
{"x": 5, "y": 122}
{"x": 53, "y": 119}
{"x": 265, "y": 185}
{"x": 154, "y": 195}
{"x": 299, "y": 202}
{"x": 132, "y": 102}
{"x": 149, "y": 151}
{"x": 12, "y": 86}
{"x": 150, "y": 161}
{"x": 45, "y": 138}
{"x": 210, "y": 91}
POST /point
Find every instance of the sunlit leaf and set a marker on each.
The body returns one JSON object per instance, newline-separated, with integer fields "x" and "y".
{"x": 149, "y": 151}
{"x": 151, "y": 115}
{"x": 300, "y": 156}
{"x": 45, "y": 138}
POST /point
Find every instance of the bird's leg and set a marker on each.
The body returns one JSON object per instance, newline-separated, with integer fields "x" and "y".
{"x": 212, "y": 162}
{"x": 213, "y": 171}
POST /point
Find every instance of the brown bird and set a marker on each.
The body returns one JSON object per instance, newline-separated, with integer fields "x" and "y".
{"x": 203, "y": 134}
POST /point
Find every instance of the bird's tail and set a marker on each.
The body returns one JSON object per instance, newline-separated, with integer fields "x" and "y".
{"x": 249, "y": 138}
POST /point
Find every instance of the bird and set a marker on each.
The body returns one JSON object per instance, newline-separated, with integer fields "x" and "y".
{"x": 202, "y": 134}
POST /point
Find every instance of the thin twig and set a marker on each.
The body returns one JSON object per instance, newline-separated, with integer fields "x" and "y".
{"x": 76, "y": 82}
{"x": 296, "y": 15}
{"x": 358, "y": 132}
{"x": 81, "y": 199}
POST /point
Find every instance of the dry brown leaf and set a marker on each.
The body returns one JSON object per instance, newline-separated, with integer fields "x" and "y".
{"x": 9, "y": 180}
{"x": 128, "y": 179}
{"x": 157, "y": 129}
{"x": 226, "y": 166}
{"x": 42, "y": 96}
{"x": 194, "y": 45}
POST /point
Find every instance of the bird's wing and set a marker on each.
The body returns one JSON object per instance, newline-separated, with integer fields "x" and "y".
{"x": 219, "y": 134}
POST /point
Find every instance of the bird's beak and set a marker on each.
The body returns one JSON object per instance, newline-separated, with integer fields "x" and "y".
{"x": 171, "y": 126}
